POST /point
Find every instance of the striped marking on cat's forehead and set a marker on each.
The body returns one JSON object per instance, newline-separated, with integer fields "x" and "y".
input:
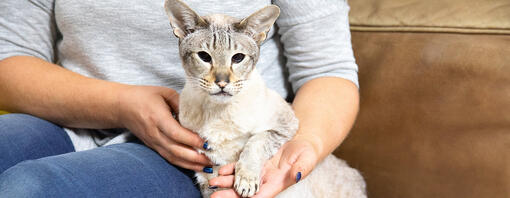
{"x": 221, "y": 37}
{"x": 221, "y": 28}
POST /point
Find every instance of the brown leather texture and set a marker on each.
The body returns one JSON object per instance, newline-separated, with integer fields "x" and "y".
{"x": 435, "y": 115}
{"x": 461, "y": 16}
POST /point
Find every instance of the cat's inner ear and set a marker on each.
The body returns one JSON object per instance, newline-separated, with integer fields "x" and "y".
{"x": 182, "y": 18}
{"x": 259, "y": 23}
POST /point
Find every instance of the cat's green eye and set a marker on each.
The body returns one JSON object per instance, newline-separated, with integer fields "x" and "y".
{"x": 204, "y": 56}
{"x": 237, "y": 58}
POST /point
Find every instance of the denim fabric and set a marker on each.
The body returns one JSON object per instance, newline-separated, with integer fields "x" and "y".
{"x": 121, "y": 170}
{"x": 25, "y": 137}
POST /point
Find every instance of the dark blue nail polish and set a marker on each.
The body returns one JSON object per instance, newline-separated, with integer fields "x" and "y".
{"x": 298, "y": 177}
{"x": 206, "y": 146}
{"x": 208, "y": 169}
{"x": 213, "y": 187}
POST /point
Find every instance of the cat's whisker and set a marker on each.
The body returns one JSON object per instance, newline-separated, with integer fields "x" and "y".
{"x": 199, "y": 83}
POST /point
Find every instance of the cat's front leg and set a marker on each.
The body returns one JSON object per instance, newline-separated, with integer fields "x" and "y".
{"x": 259, "y": 148}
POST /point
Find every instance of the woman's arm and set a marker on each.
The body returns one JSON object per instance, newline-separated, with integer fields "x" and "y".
{"x": 31, "y": 83}
{"x": 33, "y": 86}
{"x": 326, "y": 108}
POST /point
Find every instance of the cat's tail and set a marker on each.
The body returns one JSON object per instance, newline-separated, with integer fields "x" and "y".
{"x": 331, "y": 178}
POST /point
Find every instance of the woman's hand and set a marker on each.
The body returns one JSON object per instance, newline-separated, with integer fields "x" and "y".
{"x": 293, "y": 162}
{"x": 147, "y": 112}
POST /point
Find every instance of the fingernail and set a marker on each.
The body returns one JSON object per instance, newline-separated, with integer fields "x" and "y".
{"x": 208, "y": 169}
{"x": 213, "y": 187}
{"x": 206, "y": 146}
{"x": 298, "y": 177}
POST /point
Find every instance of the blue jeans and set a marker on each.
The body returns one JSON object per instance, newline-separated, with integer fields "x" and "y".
{"x": 37, "y": 159}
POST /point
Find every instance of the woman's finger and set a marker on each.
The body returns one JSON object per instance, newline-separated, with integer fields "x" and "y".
{"x": 186, "y": 153}
{"x": 270, "y": 189}
{"x": 222, "y": 181}
{"x": 172, "y": 98}
{"x": 173, "y": 130}
{"x": 230, "y": 193}
{"x": 167, "y": 148}
{"x": 188, "y": 165}
{"x": 227, "y": 169}
{"x": 178, "y": 162}
{"x": 179, "y": 151}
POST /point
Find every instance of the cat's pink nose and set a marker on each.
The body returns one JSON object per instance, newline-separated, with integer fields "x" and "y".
{"x": 222, "y": 79}
{"x": 222, "y": 84}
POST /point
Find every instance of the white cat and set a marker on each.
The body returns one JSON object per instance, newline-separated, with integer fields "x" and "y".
{"x": 227, "y": 103}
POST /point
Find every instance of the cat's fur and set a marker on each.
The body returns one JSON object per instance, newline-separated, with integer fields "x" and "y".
{"x": 244, "y": 122}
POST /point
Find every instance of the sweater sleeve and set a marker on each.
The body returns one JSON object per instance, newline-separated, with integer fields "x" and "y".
{"x": 316, "y": 40}
{"x": 27, "y": 27}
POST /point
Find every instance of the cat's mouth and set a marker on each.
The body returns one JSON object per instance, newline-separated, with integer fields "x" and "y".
{"x": 222, "y": 93}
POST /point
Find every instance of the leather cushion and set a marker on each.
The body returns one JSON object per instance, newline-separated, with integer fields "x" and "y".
{"x": 465, "y": 16}
{"x": 435, "y": 115}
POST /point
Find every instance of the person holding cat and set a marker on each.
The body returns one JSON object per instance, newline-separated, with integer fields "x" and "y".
{"x": 81, "y": 74}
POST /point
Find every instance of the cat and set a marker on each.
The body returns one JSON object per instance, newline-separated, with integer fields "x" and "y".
{"x": 226, "y": 102}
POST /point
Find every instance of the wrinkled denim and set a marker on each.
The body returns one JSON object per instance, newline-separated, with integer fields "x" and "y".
{"x": 37, "y": 159}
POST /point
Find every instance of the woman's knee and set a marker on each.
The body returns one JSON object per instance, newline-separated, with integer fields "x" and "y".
{"x": 125, "y": 170}
{"x": 33, "y": 178}
{"x": 15, "y": 119}
{"x": 17, "y": 123}
{"x": 25, "y": 137}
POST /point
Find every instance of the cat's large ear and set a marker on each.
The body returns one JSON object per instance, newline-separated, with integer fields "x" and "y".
{"x": 182, "y": 18}
{"x": 258, "y": 24}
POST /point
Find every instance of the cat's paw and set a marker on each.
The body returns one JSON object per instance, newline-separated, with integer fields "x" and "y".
{"x": 246, "y": 182}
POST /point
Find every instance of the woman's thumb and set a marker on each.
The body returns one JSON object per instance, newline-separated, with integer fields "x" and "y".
{"x": 303, "y": 165}
{"x": 171, "y": 98}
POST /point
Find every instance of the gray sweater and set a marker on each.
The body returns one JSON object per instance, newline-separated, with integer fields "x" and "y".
{"x": 131, "y": 42}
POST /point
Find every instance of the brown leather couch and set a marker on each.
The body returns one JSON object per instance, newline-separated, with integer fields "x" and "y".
{"x": 435, "y": 98}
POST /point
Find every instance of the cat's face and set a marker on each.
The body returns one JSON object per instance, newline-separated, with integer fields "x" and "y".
{"x": 218, "y": 59}
{"x": 219, "y": 52}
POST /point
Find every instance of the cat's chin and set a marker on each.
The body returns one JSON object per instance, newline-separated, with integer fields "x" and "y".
{"x": 220, "y": 98}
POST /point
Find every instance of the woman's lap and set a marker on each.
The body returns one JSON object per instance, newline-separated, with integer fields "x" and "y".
{"x": 122, "y": 170}
{"x": 25, "y": 137}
